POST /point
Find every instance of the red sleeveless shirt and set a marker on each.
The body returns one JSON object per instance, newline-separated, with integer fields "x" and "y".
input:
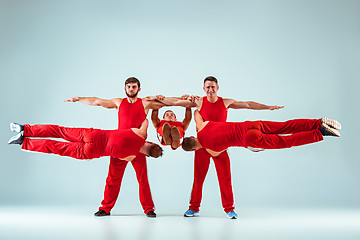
{"x": 119, "y": 143}
{"x": 218, "y": 136}
{"x": 131, "y": 115}
{"x": 213, "y": 111}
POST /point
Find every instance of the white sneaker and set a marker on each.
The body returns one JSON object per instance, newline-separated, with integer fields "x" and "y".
{"x": 331, "y": 122}
{"x": 16, "y": 127}
{"x": 18, "y": 139}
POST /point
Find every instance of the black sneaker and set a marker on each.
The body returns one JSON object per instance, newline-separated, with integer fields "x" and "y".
{"x": 16, "y": 127}
{"x": 326, "y": 130}
{"x": 101, "y": 213}
{"x": 18, "y": 139}
{"x": 151, "y": 214}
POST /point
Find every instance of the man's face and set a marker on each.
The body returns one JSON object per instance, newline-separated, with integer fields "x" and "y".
{"x": 210, "y": 88}
{"x": 131, "y": 90}
{"x": 169, "y": 116}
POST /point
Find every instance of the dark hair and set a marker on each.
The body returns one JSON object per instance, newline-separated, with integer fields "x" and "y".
{"x": 155, "y": 151}
{"x": 188, "y": 143}
{"x": 211, "y": 79}
{"x": 132, "y": 80}
{"x": 169, "y": 111}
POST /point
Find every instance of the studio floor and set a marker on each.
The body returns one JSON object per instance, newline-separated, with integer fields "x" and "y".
{"x": 79, "y": 223}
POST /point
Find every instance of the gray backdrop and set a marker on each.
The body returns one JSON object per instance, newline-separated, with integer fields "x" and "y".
{"x": 301, "y": 54}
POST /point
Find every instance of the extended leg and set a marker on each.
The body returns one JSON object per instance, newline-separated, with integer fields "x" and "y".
{"x": 55, "y": 131}
{"x": 71, "y": 149}
{"x": 139, "y": 164}
{"x": 257, "y": 139}
{"x": 201, "y": 167}
{"x": 113, "y": 183}
{"x": 222, "y": 165}
{"x": 288, "y": 127}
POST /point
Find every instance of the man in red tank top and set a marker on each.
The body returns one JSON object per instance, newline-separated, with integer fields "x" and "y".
{"x": 85, "y": 143}
{"x": 216, "y": 137}
{"x": 213, "y": 108}
{"x": 131, "y": 113}
{"x": 169, "y": 130}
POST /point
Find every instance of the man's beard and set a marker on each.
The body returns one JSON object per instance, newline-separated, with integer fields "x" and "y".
{"x": 133, "y": 95}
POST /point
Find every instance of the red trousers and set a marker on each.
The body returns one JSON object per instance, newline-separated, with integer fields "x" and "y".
{"x": 80, "y": 145}
{"x": 268, "y": 135}
{"x": 258, "y": 134}
{"x": 201, "y": 167}
{"x": 113, "y": 183}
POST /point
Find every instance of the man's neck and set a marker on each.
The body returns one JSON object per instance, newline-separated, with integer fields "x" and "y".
{"x": 198, "y": 145}
{"x": 144, "y": 149}
{"x": 132, "y": 100}
{"x": 212, "y": 98}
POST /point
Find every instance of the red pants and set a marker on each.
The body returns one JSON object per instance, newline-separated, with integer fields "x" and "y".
{"x": 258, "y": 134}
{"x": 80, "y": 145}
{"x": 113, "y": 183}
{"x": 201, "y": 167}
{"x": 265, "y": 134}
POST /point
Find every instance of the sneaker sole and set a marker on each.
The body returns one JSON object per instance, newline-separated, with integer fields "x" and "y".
{"x": 331, "y": 122}
{"x": 175, "y": 134}
{"x": 330, "y": 129}
{"x": 166, "y": 131}
{"x": 196, "y": 214}
{"x": 102, "y": 215}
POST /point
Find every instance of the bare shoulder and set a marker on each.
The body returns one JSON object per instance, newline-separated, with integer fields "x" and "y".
{"x": 228, "y": 102}
{"x": 117, "y": 101}
{"x": 146, "y": 102}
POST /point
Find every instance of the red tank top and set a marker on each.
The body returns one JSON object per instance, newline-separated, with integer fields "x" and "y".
{"x": 172, "y": 124}
{"x": 131, "y": 115}
{"x": 213, "y": 111}
{"x": 218, "y": 136}
{"x": 122, "y": 143}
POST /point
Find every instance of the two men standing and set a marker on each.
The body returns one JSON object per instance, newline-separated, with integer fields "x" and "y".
{"x": 131, "y": 113}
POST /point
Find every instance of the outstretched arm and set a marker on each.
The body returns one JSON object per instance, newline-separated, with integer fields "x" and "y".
{"x": 187, "y": 119}
{"x": 231, "y": 103}
{"x": 174, "y": 101}
{"x": 155, "y": 117}
{"x": 94, "y": 101}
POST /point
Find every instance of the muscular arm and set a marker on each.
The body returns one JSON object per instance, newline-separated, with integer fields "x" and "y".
{"x": 198, "y": 120}
{"x": 94, "y": 101}
{"x": 155, "y": 117}
{"x": 231, "y": 103}
{"x": 173, "y": 101}
{"x": 187, "y": 119}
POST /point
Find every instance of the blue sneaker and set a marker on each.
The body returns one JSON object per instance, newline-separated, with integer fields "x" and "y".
{"x": 232, "y": 215}
{"x": 191, "y": 213}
